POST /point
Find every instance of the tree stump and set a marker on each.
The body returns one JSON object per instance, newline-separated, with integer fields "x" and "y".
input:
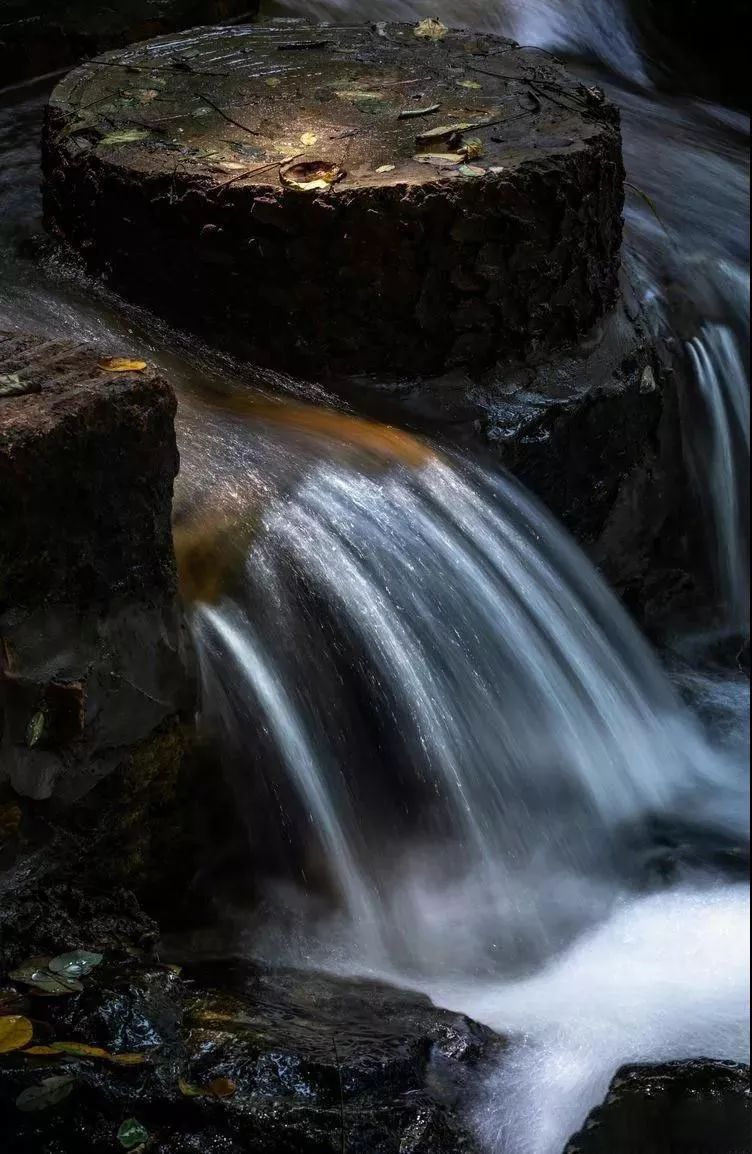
{"x": 343, "y": 199}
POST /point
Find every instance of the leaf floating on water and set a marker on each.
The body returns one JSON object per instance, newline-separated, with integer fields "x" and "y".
{"x": 310, "y": 175}
{"x": 132, "y": 1134}
{"x": 409, "y": 113}
{"x": 221, "y": 1088}
{"x": 76, "y": 964}
{"x": 121, "y": 365}
{"x": 43, "y": 1052}
{"x": 386, "y": 168}
{"x": 308, "y": 138}
{"x": 430, "y": 29}
{"x": 125, "y": 136}
{"x": 35, "y": 729}
{"x": 190, "y": 1090}
{"x": 468, "y": 84}
{"x": 79, "y": 1050}
{"x": 471, "y": 170}
{"x": 15, "y": 1033}
{"x": 48, "y": 1093}
{"x": 55, "y": 986}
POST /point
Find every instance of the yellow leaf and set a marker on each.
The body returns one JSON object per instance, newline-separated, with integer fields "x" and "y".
{"x": 356, "y": 94}
{"x": 468, "y": 84}
{"x": 43, "y": 1052}
{"x": 80, "y": 1050}
{"x": 189, "y": 1090}
{"x": 221, "y": 1088}
{"x": 473, "y": 148}
{"x": 121, "y": 365}
{"x": 386, "y": 168}
{"x": 273, "y": 81}
{"x": 127, "y": 1059}
{"x": 308, "y": 138}
{"x": 430, "y": 29}
{"x": 15, "y": 1032}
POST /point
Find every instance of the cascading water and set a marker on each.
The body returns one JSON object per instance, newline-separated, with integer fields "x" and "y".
{"x": 451, "y": 711}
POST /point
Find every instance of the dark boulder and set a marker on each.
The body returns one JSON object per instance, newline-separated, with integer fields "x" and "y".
{"x": 699, "y": 1105}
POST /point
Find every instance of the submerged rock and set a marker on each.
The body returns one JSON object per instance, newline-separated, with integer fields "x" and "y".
{"x": 237, "y": 1058}
{"x": 699, "y": 1106}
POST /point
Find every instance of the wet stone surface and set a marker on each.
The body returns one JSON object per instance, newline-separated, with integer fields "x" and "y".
{"x": 283, "y": 1062}
{"x": 260, "y": 185}
{"x": 701, "y": 1106}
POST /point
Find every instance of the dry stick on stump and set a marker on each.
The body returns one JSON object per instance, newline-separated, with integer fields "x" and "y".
{"x": 225, "y": 116}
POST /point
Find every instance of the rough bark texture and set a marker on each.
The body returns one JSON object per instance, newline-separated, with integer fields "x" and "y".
{"x": 693, "y": 1107}
{"x": 412, "y": 269}
{"x": 39, "y": 36}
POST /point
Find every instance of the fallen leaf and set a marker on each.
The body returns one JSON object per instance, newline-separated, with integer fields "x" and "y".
{"x": 380, "y": 27}
{"x": 409, "y": 113}
{"x": 10, "y": 384}
{"x": 146, "y": 95}
{"x": 356, "y": 94}
{"x": 35, "y": 729}
{"x": 189, "y": 1089}
{"x": 125, "y": 136}
{"x": 43, "y": 1052}
{"x": 132, "y": 1134}
{"x": 473, "y": 148}
{"x": 443, "y": 132}
{"x": 308, "y": 138}
{"x": 127, "y": 1059}
{"x": 273, "y": 81}
{"x": 80, "y": 1050}
{"x": 49, "y": 985}
{"x": 470, "y": 170}
{"x": 430, "y": 29}
{"x": 48, "y": 1093}
{"x": 29, "y": 969}
{"x": 310, "y": 175}
{"x": 497, "y": 168}
{"x": 15, "y": 1033}
{"x": 386, "y": 168}
{"x": 221, "y": 1088}
{"x": 468, "y": 84}
{"x": 121, "y": 365}
{"x": 440, "y": 159}
{"x": 76, "y": 964}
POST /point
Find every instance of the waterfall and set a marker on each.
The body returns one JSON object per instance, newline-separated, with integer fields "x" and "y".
{"x": 452, "y": 695}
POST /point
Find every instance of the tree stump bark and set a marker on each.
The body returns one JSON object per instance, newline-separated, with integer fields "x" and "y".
{"x": 343, "y": 199}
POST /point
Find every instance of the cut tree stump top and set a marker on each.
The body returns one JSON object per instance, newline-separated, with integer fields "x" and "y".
{"x": 408, "y": 157}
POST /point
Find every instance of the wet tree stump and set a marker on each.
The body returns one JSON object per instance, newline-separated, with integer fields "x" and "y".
{"x": 343, "y": 199}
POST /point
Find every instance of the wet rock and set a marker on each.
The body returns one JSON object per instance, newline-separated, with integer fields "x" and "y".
{"x": 40, "y": 36}
{"x": 366, "y": 273}
{"x": 685, "y": 1107}
{"x": 237, "y": 1058}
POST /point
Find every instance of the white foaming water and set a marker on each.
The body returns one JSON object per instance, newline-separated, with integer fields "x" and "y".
{"x": 664, "y": 977}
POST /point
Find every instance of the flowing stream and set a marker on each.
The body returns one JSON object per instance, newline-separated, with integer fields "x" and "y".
{"x": 465, "y": 761}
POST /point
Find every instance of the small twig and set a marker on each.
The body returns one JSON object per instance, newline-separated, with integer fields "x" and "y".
{"x": 225, "y": 116}
{"x": 341, "y": 1093}
{"x": 256, "y": 171}
{"x": 409, "y": 113}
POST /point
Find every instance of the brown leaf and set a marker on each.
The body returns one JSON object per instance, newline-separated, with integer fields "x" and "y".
{"x": 15, "y": 1033}
{"x": 43, "y": 1052}
{"x": 121, "y": 365}
{"x": 221, "y": 1088}
{"x": 127, "y": 1059}
{"x": 430, "y": 29}
{"x": 80, "y": 1050}
{"x": 310, "y": 175}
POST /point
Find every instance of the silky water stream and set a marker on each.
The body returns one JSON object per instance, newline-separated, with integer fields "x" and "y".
{"x": 461, "y": 753}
